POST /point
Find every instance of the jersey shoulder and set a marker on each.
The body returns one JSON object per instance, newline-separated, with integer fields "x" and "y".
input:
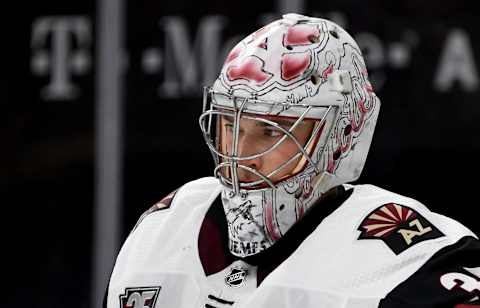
{"x": 387, "y": 214}
{"x": 163, "y": 240}
{"x": 449, "y": 253}
{"x": 390, "y": 235}
{"x": 191, "y": 193}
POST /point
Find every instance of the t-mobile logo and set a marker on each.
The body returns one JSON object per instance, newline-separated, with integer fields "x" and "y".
{"x": 61, "y": 48}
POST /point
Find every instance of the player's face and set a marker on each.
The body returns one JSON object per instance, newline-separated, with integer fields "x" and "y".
{"x": 256, "y": 137}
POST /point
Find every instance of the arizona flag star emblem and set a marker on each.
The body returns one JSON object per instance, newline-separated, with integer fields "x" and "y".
{"x": 398, "y": 226}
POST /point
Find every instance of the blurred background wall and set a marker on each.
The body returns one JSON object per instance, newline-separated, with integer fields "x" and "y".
{"x": 100, "y": 101}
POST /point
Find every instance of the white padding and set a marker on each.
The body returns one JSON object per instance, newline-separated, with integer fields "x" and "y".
{"x": 340, "y": 81}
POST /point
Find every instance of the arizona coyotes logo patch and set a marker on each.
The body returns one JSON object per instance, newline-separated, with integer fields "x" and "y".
{"x": 398, "y": 226}
{"x": 144, "y": 297}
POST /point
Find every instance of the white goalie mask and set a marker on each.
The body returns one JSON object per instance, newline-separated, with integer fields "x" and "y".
{"x": 290, "y": 116}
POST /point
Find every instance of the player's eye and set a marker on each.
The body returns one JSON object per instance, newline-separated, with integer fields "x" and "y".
{"x": 228, "y": 127}
{"x": 273, "y": 132}
{"x": 227, "y": 123}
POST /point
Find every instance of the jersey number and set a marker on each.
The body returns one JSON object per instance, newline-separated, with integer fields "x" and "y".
{"x": 143, "y": 297}
{"x": 137, "y": 300}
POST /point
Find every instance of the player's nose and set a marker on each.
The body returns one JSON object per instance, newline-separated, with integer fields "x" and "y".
{"x": 248, "y": 148}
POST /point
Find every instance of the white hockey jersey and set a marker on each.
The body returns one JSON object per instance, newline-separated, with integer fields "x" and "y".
{"x": 374, "y": 249}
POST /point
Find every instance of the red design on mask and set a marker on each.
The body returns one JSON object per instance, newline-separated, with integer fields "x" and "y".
{"x": 294, "y": 64}
{"x": 251, "y": 68}
{"x": 301, "y": 35}
{"x": 234, "y": 53}
{"x": 327, "y": 71}
{"x": 269, "y": 222}
{"x": 263, "y": 44}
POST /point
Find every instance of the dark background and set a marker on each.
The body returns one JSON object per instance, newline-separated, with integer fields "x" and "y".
{"x": 425, "y": 145}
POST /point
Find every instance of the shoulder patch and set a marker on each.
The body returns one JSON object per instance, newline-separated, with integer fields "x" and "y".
{"x": 160, "y": 205}
{"x": 398, "y": 226}
{"x": 165, "y": 202}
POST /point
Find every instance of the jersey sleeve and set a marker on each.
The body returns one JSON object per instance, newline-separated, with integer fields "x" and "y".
{"x": 163, "y": 204}
{"x": 450, "y": 279}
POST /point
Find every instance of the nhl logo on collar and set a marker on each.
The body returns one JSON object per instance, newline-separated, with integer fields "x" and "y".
{"x": 236, "y": 277}
{"x": 144, "y": 297}
{"x": 398, "y": 226}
